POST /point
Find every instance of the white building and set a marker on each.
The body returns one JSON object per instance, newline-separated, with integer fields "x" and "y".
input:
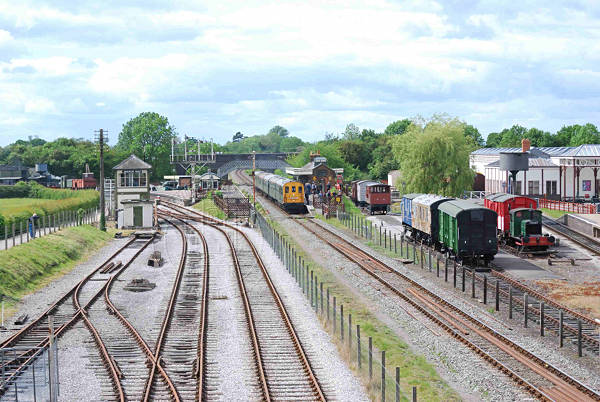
{"x": 134, "y": 210}
{"x": 554, "y": 172}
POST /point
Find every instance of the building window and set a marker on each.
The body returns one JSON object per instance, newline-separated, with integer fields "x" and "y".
{"x": 133, "y": 178}
{"x": 551, "y": 187}
{"x": 533, "y": 187}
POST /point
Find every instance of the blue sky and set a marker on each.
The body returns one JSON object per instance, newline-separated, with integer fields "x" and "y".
{"x": 214, "y": 68}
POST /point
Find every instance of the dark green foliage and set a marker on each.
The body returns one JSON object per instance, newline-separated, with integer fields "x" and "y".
{"x": 149, "y": 137}
{"x": 397, "y": 127}
{"x": 567, "y": 136}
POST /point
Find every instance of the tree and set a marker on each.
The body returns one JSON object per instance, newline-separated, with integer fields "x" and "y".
{"x": 352, "y": 132}
{"x": 355, "y": 152}
{"x": 149, "y": 136}
{"x": 493, "y": 140}
{"x": 280, "y": 131}
{"x": 472, "y": 133}
{"x": 434, "y": 157}
{"x": 382, "y": 158}
{"x": 587, "y": 134}
{"x": 237, "y": 137}
{"x": 397, "y": 127}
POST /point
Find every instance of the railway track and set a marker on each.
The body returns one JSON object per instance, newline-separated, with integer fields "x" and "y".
{"x": 540, "y": 378}
{"x": 584, "y": 241}
{"x": 282, "y": 366}
{"x": 508, "y": 287}
{"x": 65, "y": 315}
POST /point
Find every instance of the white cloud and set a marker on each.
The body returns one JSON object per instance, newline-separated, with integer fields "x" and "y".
{"x": 40, "y": 106}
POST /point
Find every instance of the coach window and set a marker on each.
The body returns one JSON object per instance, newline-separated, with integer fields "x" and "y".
{"x": 300, "y": 189}
{"x": 293, "y": 189}
{"x": 287, "y": 190}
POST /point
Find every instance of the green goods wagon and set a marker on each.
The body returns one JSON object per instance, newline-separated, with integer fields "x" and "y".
{"x": 468, "y": 230}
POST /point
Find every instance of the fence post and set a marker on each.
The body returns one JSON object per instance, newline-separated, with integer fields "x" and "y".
{"x": 510, "y": 302}
{"x": 484, "y": 289}
{"x": 358, "y": 351}
{"x": 525, "y": 308}
{"x": 579, "y": 345}
{"x": 541, "y": 318}
{"x": 342, "y": 321}
{"x": 6, "y": 236}
{"x": 421, "y": 255}
{"x": 497, "y": 295}
{"x": 21, "y": 230}
{"x": 327, "y": 304}
{"x": 311, "y": 287}
{"x": 560, "y": 328}
{"x": 321, "y": 297}
{"x": 473, "y": 284}
{"x": 395, "y": 245}
{"x": 370, "y": 358}
{"x": 316, "y": 290}
{"x": 397, "y": 384}
{"x": 334, "y": 314}
{"x": 383, "y": 375}
{"x": 414, "y": 394}
{"x": 13, "y": 234}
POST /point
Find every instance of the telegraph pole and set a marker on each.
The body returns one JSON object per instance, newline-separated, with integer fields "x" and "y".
{"x": 102, "y": 203}
{"x": 254, "y": 178}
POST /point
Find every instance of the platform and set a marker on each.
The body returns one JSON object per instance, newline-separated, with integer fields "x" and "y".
{"x": 521, "y": 268}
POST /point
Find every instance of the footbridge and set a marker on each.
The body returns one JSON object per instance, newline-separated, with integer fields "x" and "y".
{"x": 223, "y": 164}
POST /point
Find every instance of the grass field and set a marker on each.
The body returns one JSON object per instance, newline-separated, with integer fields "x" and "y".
{"x": 10, "y": 205}
{"x": 207, "y": 205}
{"x": 30, "y": 266}
{"x": 553, "y": 213}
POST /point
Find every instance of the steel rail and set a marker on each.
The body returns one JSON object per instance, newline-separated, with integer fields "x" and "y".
{"x": 535, "y": 390}
{"x": 200, "y": 372}
{"x": 136, "y": 335}
{"x": 291, "y": 329}
{"x": 583, "y": 240}
{"x": 44, "y": 343}
{"x": 15, "y": 337}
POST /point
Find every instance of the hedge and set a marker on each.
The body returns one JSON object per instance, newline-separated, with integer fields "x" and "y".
{"x": 52, "y": 201}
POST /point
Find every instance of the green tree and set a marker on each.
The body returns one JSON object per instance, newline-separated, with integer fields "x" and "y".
{"x": 149, "y": 136}
{"x": 355, "y": 152}
{"x": 434, "y": 157}
{"x": 280, "y": 131}
{"x": 493, "y": 140}
{"x": 397, "y": 127}
{"x": 382, "y": 158}
{"x": 587, "y": 134}
{"x": 472, "y": 133}
{"x": 352, "y": 132}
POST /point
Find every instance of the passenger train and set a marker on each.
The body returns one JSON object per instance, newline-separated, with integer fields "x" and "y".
{"x": 288, "y": 194}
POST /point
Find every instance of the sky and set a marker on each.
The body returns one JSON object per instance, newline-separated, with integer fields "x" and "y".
{"x": 213, "y": 68}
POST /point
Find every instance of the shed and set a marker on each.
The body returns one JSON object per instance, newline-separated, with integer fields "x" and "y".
{"x": 209, "y": 181}
{"x": 136, "y": 214}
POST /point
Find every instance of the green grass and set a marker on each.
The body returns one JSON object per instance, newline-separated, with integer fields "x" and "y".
{"x": 414, "y": 368}
{"x": 208, "y": 206}
{"x": 553, "y": 213}
{"x": 30, "y": 266}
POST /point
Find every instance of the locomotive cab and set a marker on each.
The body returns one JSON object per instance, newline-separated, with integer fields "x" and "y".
{"x": 526, "y": 229}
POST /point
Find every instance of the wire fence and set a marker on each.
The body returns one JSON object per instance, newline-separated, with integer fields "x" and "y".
{"x": 23, "y": 231}
{"x": 365, "y": 359}
{"x": 36, "y": 380}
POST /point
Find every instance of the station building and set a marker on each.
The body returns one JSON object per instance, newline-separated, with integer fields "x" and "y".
{"x": 316, "y": 171}
{"x": 559, "y": 173}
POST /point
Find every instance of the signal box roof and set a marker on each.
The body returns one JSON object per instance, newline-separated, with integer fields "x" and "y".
{"x": 454, "y": 207}
{"x": 133, "y": 163}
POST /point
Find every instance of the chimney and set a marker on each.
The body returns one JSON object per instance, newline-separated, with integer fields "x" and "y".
{"x": 525, "y": 145}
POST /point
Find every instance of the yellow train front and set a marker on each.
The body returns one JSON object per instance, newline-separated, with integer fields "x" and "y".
{"x": 288, "y": 194}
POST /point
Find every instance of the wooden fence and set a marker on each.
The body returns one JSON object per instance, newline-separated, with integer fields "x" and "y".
{"x": 234, "y": 207}
{"x": 567, "y": 206}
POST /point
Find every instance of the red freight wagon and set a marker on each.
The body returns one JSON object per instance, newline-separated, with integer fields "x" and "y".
{"x": 379, "y": 198}
{"x": 504, "y": 203}
{"x": 85, "y": 183}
